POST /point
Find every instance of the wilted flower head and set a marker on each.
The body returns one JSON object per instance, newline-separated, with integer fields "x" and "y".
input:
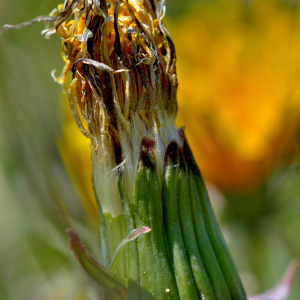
{"x": 123, "y": 86}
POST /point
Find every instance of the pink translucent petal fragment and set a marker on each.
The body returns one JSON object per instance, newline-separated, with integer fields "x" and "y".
{"x": 137, "y": 232}
{"x": 282, "y": 290}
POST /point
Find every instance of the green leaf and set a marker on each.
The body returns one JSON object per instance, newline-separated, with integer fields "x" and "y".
{"x": 101, "y": 275}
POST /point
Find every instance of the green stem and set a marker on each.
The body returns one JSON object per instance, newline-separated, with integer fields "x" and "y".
{"x": 184, "y": 277}
{"x": 207, "y": 253}
{"x": 214, "y": 233}
{"x": 186, "y": 220}
{"x": 157, "y": 279}
{"x": 133, "y": 259}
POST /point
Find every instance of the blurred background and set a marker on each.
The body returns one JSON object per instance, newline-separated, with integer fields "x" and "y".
{"x": 239, "y": 99}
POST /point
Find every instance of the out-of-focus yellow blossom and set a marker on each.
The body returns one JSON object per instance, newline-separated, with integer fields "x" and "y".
{"x": 239, "y": 92}
{"x": 76, "y": 155}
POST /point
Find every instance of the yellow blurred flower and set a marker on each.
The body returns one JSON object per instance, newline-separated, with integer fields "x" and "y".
{"x": 239, "y": 92}
{"x": 76, "y": 154}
